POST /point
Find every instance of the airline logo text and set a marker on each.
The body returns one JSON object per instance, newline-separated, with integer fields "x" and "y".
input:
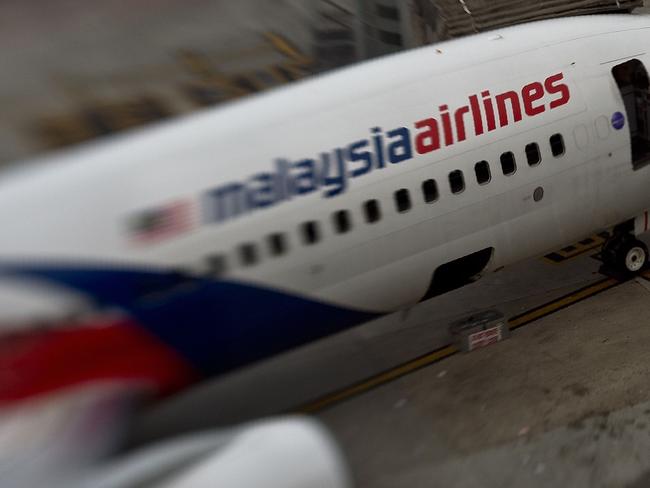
{"x": 331, "y": 171}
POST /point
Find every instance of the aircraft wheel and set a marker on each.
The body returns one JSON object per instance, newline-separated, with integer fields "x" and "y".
{"x": 632, "y": 256}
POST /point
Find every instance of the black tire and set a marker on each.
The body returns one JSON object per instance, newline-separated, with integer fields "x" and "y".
{"x": 631, "y": 256}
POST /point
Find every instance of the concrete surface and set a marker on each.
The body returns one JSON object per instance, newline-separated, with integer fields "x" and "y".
{"x": 564, "y": 402}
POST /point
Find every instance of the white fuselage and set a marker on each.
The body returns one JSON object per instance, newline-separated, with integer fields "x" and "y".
{"x": 163, "y": 199}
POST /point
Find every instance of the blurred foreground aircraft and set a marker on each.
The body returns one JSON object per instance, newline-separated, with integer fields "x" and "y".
{"x": 185, "y": 251}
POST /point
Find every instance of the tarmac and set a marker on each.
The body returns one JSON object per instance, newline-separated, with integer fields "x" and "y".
{"x": 564, "y": 402}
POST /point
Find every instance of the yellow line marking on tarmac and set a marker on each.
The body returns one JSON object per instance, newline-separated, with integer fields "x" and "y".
{"x": 380, "y": 379}
{"x": 449, "y": 350}
{"x": 562, "y": 302}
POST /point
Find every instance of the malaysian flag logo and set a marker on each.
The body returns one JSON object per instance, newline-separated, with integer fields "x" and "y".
{"x": 156, "y": 224}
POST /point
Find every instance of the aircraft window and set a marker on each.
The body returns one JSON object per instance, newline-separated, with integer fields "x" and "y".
{"x": 402, "y": 200}
{"x": 277, "y": 244}
{"x": 248, "y": 254}
{"x": 372, "y": 211}
{"x": 508, "y": 164}
{"x": 532, "y": 154}
{"x": 557, "y": 145}
{"x": 482, "y": 170}
{"x": 342, "y": 222}
{"x": 310, "y": 232}
{"x": 216, "y": 264}
{"x": 430, "y": 191}
{"x": 456, "y": 181}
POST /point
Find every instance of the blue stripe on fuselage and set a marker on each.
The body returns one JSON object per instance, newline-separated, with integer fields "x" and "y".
{"x": 216, "y": 325}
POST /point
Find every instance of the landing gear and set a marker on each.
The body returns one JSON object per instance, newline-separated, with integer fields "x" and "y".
{"x": 624, "y": 253}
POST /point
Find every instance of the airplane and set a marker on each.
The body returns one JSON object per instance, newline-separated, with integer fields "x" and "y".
{"x": 204, "y": 244}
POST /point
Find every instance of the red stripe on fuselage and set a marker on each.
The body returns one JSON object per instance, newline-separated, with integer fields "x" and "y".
{"x": 40, "y": 362}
